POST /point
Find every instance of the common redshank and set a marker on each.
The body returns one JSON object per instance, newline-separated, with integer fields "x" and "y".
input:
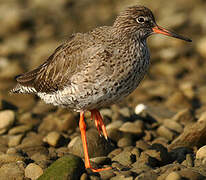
{"x": 96, "y": 69}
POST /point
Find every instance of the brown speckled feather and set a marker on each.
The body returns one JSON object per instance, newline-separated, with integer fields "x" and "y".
{"x": 68, "y": 59}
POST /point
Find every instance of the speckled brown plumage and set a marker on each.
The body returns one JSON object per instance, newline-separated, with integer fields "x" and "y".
{"x": 97, "y": 68}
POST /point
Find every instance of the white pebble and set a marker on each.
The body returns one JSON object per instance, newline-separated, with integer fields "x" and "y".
{"x": 140, "y": 108}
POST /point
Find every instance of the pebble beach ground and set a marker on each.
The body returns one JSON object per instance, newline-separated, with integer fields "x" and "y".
{"x": 158, "y": 132}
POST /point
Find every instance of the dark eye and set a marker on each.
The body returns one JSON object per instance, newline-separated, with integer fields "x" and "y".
{"x": 140, "y": 19}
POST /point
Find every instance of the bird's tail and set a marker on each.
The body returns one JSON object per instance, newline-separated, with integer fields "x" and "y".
{"x": 22, "y": 89}
{"x": 25, "y": 83}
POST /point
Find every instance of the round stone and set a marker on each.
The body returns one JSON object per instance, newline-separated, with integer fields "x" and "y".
{"x": 7, "y": 119}
{"x": 201, "y": 153}
{"x": 33, "y": 171}
{"x": 173, "y": 176}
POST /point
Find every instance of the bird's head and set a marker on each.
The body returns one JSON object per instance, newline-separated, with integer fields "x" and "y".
{"x": 140, "y": 21}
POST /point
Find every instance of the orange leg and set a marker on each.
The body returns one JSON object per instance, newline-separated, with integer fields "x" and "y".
{"x": 82, "y": 127}
{"x": 99, "y": 122}
{"x": 96, "y": 123}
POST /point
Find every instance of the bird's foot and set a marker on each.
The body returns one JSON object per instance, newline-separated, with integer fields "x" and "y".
{"x": 100, "y": 169}
{"x": 99, "y": 123}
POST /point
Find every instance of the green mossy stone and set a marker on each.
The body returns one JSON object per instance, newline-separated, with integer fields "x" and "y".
{"x": 69, "y": 167}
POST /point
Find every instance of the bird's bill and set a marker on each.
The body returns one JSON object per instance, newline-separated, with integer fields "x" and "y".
{"x": 160, "y": 30}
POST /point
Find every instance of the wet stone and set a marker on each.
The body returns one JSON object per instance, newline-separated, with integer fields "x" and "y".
{"x": 69, "y": 167}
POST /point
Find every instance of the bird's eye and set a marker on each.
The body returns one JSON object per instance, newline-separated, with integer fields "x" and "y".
{"x": 140, "y": 19}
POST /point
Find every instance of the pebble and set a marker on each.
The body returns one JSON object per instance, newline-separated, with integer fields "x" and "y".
{"x": 189, "y": 173}
{"x": 113, "y": 130}
{"x": 11, "y": 150}
{"x": 97, "y": 146}
{"x": 7, "y": 118}
{"x": 33, "y": 171}
{"x": 11, "y": 171}
{"x": 124, "y": 158}
{"x": 140, "y": 108}
{"x": 58, "y": 122}
{"x": 201, "y": 45}
{"x": 168, "y": 53}
{"x": 41, "y": 159}
{"x": 140, "y": 166}
{"x": 178, "y": 100}
{"x": 165, "y": 132}
{"x": 125, "y": 112}
{"x": 100, "y": 160}
{"x": 201, "y": 153}
{"x": 107, "y": 174}
{"x": 173, "y": 176}
{"x": 122, "y": 177}
{"x": 173, "y": 125}
{"x": 124, "y": 142}
{"x": 10, "y": 158}
{"x": 52, "y": 138}
{"x": 184, "y": 116}
{"x": 179, "y": 154}
{"x": 159, "y": 113}
{"x": 15, "y": 140}
{"x": 142, "y": 145}
{"x": 106, "y": 112}
{"x": 114, "y": 152}
{"x": 134, "y": 128}
{"x": 20, "y": 129}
